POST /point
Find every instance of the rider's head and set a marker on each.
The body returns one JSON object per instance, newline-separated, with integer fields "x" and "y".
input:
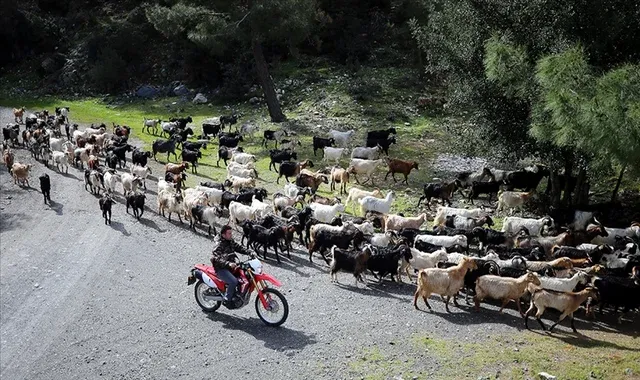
{"x": 226, "y": 232}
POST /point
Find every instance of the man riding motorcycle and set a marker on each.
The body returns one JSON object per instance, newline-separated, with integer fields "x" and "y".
{"x": 223, "y": 260}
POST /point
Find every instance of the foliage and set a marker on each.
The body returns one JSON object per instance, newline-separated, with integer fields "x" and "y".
{"x": 111, "y": 74}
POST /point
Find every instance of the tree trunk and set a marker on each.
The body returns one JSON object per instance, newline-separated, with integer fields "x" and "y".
{"x": 267, "y": 83}
{"x": 568, "y": 171}
{"x": 581, "y": 196}
{"x": 614, "y": 196}
{"x": 554, "y": 184}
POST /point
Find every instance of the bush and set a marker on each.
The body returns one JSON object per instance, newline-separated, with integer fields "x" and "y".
{"x": 110, "y": 71}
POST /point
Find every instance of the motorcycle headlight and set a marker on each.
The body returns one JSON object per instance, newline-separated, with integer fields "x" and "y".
{"x": 256, "y": 266}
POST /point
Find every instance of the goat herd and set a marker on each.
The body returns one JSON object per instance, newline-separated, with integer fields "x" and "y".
{"x": 556, "y": 264}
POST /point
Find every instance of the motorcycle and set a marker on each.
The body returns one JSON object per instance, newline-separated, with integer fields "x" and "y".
{"x": 271, "y": 305}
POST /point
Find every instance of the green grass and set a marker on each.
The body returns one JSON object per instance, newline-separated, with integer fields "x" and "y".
{"x": 334, "y": 93}
{"x": 518, "y": 355}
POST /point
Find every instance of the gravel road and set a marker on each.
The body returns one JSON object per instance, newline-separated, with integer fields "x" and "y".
{"x": 82, "y": 300}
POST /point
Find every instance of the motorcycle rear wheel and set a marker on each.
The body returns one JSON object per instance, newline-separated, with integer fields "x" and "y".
{"x": 278, "y": 304}
{"x": 201, "y": 298}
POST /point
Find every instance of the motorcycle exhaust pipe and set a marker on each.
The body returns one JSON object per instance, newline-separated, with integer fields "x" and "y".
{"x": 196, "y": 274}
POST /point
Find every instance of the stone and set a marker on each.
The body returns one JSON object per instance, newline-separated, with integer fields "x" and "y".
{"x": 255, "y": 100}
{"x": 200, "y": 99}
{"x": 628, "y": 371}
{"x": 146, "y": 91}
{"x": 546, "y": 376}
{"x": 181, "y": 90}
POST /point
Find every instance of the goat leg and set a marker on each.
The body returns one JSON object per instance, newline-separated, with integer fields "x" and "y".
{"x": 446, "y": 304}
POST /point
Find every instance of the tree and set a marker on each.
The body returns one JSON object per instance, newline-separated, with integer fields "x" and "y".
{"x": 223, "y": 26}
{"x": 502, "y": 91}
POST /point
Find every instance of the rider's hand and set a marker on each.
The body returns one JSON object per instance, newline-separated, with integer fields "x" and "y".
{"x": 233, "y": 266}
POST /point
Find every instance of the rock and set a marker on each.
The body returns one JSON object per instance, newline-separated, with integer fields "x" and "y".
{"x": 200, "y": 98}
{"x": 181, "y": 90}
{"x": 146, "y": 91}
{"x": 36, "y": 285}
{"x": 545, "y": 376}
{"x": 54, "y": 63}
{"x": 628, "y": 371}
{"x": 255, "y": 100}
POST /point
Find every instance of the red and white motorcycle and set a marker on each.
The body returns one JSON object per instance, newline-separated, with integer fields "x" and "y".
{"x": 271, "y": 305}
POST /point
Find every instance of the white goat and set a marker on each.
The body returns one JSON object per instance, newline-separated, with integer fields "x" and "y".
{"x": 512, "y": 200}
{"x": 131, "y": 182}
{"x": 243, "y": 158}
{"x": 234, "y": 171}
{"x": 366, "y": 227}
{"x": 564, "y": 284}
{"x": 110, "y": 180}
{"x": 366, "y": 153}
{"x": 503, "y": 288}
{"x": 366, "y": 167}
{"x": 60, "y": 160}
{"x": 466, "y": 223}
{"x": 633, "y": 232}
{"x": 238, "y": 183}
{"x": 214, "y": 195}
{"x": 326, "y": 213}
{"x": 356, "y": 194}
{"x": 341, "y": 138}
{"x": 142, "y": 172}
{"x": 239, "y": 212}
{"x": 513, "y": 224}
{"x": 262, "y": 209}
{"x": 171, "y": 202}
{"x": 166, "y": 186}
{"x": 370, "y": 203}
{"x": 382, "y": 239}
{"x": 443, "y": 241}
{"x": 422, "y": 260}
{"x": 333, "y": 154}
{"x": 443, "y": 212}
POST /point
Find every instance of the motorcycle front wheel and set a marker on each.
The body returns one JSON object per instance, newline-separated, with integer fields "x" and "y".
{"x": 277, "y": 309}
{"x": 204, "y": 295}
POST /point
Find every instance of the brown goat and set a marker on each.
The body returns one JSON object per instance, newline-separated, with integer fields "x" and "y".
{"x": 176, "y": 168}
{"x": 8, "y": 158}
{"x": 18, "y": 113}
{"x": 312, "y": 181}
{"x": 400, "y": 166}
{"x": 324, "y": 200}
{"x": 341, "y": 176}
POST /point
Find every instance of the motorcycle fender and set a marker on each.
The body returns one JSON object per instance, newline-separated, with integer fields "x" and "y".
{"x": 268, "y": 278}
{"x": 207, "y": 280}
{"x": 195, "y": 274}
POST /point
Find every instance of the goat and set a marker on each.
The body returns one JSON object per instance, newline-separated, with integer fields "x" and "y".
{"x": 400, "y": 166}
{"x": 443, "y": 212}
{"x": 149, "y": 124}
{"x": 366, "y": 153}
{"x": 279, "y": 156}
{"x": 526, "y": 179}
{"x": 321, "y": 143}
{"x": 467, "y": 223}
{"x": 350, "y": 261}
{"x": 503, "y": 288}
{"x": 291, "y": 169}
{"x": 164, "y": 146}
{"x": 136, "y": 202}
{"x": 382, "y": 134}
{"x": 171, "y": 202}
{"x": 367, "y": 167}
{"x": 311, "y": 181}
{"x": 446, "y": 282}
{"x": 384, "y": 261}
{"x": 341, "y": 138}
{"x": 477, "y": 188}
{"x": 225, "y": 154}
{"x": 105, "y": 204}
{"x": 384, "y": 144}
{"x": 567, "y": 303}
{"x": 333, "y": 154}
{"x": 273, "y": 136}
{"x": 397, "y": 222}
{"x": 356, "y": 194}
{"x": 370, "y": 203}
{"x": 322, "y": 237}
{"x": 422, "y": 260}
{"x": 20, "y": 173}
{"x": 325, "y": 213}
{"x": 512, "y": 200}
{"x": 512, "y": 225}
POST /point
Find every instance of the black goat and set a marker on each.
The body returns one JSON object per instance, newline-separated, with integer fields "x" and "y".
{"x": 120, "y": 152}
{"x": 105, "y": 206}
{"x": 139, "y": 157}
{"x": 443, "y": 191}
{"x": 384, "y": 143}
{"x": 45, "y": 187}
{"x": 229, "y": 120}
{"x": 279, "y": 156}
{"x": 225, "y": 154}
{"x": 273, "y": 136}
{"x": 136, "y": 202}
{"x": 192, "y": 158}
{"x": 164, "y": 146}
{"x": 194, "y": 145}
{"x": 381, "y": 134}
{"x": 384, "y": 261}
{"x": 321, "y": 143}
{"x": 210, "y": 129}
{"x": 477, "y": 188}
{"x": 526, "y": 179}
{"x": 181, "y": 121}
{"x": 230, "y": 142}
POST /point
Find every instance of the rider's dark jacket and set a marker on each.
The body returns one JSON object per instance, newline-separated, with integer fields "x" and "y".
{"x": 224, "y": 254}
